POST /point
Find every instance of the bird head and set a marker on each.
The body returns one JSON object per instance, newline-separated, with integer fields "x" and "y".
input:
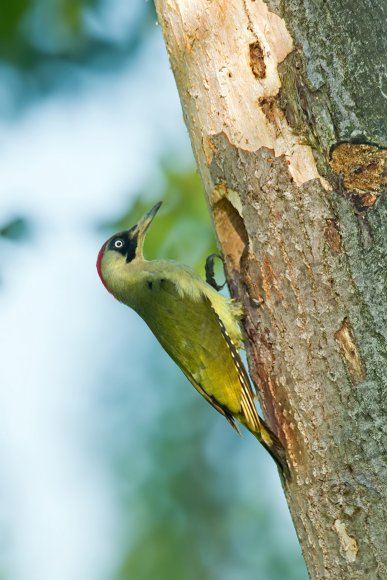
{"x": 124, "y": 248}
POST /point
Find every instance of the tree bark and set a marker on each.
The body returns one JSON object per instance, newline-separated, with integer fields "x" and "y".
{"x": 284, "y": 105}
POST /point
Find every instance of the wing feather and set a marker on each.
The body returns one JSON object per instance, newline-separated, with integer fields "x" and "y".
{"x": 212, "y": 401}
{"x": 202, "y": 335}
{"x": 247, "y": 395}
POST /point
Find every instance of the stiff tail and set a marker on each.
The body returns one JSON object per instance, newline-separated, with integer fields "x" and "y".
{"x": 274, "y": 447}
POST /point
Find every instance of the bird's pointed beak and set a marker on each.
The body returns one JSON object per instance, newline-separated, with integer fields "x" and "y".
{"x": 142, "y": 226}
{"x": 147, "y": 219}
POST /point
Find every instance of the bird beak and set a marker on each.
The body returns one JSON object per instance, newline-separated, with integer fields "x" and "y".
{"x": 142, "y": 226}
{"x": 147, "y": 219}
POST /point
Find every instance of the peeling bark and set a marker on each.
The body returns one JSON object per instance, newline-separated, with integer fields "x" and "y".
{"x": 300, "y": 214}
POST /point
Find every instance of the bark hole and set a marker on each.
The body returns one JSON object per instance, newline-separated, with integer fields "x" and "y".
{"x": 257, "y": 61}
{"x": 231, "y": 232}
{"x": 267, "y": 105}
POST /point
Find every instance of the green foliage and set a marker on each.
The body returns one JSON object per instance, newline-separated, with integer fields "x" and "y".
{"x": 42, "y": 36}
{"x": 15, "y": 229}
{"x": 11, "y": 14}
{"x": 182, "y": 229}
{"x": 182, "y": 529}
{"x": 17, "y": 43}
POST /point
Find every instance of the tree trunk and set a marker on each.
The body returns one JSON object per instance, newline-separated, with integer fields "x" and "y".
{"x": 284, "y": 104}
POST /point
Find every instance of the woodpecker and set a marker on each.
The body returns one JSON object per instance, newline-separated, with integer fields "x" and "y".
{"x": 198, "y": 327}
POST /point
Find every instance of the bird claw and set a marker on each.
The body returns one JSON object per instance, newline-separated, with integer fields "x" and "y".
{"x": 210, "y": 274}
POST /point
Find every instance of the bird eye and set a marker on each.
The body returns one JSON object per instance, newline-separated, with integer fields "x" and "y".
{"x": 118, "y": 244}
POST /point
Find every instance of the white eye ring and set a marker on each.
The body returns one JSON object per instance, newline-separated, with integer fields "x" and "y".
{"x": 118, "y": 244}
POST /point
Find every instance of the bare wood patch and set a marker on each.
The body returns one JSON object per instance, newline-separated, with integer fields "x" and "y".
{"x": 349, "y": 547}
{"x": 346, "y": 341}
{"x": 363, "y": 169}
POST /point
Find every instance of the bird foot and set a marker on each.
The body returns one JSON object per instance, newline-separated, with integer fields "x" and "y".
{"x": 210, "y": 274}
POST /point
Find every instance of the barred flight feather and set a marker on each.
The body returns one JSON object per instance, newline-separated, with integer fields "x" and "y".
{"x": 247, "y": 395}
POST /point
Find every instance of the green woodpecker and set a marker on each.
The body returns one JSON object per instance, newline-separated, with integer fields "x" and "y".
{"x": 197, "y": 326}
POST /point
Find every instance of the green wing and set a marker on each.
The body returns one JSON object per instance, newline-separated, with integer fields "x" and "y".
{"x": 194, "y": 336}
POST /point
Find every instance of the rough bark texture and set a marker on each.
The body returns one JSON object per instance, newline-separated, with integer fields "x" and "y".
{"x": 284, "y": 103}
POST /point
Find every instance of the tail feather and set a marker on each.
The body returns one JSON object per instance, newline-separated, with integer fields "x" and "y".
{"x": 274, "y": 447}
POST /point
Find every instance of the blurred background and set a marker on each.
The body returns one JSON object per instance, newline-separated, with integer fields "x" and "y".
{"x": 111, "y": 466}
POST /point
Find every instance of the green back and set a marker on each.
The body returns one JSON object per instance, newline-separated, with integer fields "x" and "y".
{"x": 189, "y": 330}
